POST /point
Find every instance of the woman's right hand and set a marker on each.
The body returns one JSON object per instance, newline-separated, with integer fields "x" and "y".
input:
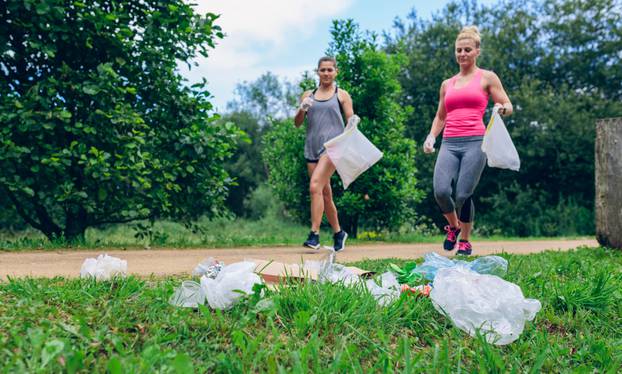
{"x": 306, "y": 103}
{"x": 428, "y": 145}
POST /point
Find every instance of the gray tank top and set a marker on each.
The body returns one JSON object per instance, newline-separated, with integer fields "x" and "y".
{"x": 324, "y": 122}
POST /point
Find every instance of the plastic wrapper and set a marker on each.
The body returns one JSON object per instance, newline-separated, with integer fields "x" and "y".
{"x": 387, "y": 291}
{"x": 208, "y": 267}
{"x": 484, "y": 265}
{"x": 188, "y": 295}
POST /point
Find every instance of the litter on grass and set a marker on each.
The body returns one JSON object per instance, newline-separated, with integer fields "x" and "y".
{"x": 480, "y": 301}
{"x": 103, "y": 267}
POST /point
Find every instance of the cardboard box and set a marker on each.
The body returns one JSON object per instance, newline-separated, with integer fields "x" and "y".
{"x": 273, "y": 272}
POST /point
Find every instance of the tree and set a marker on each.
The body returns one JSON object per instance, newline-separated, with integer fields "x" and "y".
{"x": 97, "y": 126}
{"x": 383, "y": 196}
{"x": 266, "y": 97}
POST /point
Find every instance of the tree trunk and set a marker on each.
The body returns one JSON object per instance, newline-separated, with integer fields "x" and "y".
{"x": 609, "y": 182}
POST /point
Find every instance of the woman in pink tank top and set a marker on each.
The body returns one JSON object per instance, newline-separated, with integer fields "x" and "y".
{"x": 462, "y": 103}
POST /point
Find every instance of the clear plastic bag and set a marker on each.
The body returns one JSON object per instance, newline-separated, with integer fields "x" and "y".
{"x": 232, "y": 283}
{"x": 485, "y": 302}
{"x": 498, "y": 145}
{"x": 103, "y": 267}
{"x": 188, "y": 295}
{"x": 352, "y": 153}
{"x": 484, "y": 265}
{"x": 387, "y": 291}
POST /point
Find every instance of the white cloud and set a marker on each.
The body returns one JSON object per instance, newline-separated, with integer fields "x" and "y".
{"x": 255, "y": 31}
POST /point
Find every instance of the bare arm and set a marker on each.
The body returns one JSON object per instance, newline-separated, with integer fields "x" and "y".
{"x": 346, "y": 104}
{"x": 439, "y": 120}
{"x": 300, "y": 114}
{"x": 500, "y": 98}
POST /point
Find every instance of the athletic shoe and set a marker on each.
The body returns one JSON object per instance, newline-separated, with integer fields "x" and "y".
{"x": 339, "y": 239}
{"x": 313, "y": 241}
{"x": 464, "y": 247}
{"x": 452, "y": 238}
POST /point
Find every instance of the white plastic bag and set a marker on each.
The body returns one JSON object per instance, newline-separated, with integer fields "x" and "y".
{"x": 188, "y": 295}
{"x": 103, "y": 267}
{"x": 231, "y": 283}
{"x": 480, "y": 301}
{"x": 498, "y": 145}
{"x": 351, "y": 153}
{"x": 388, "y": 290}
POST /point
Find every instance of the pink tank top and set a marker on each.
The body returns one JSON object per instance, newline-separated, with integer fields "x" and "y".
{"x": 465, "y": 108}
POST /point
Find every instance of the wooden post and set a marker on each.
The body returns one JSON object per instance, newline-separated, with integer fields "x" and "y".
{"x": 608, "y": 172}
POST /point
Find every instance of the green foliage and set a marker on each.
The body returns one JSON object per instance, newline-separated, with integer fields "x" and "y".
{"x": 558, "y": 62}
{"x": 266, "y": 97}
{"x": 127, "y": 325}
{"x": 287, "y": 170}
{"x": 96, "y": 123}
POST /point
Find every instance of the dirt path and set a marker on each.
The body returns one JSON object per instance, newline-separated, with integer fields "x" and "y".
{"x": 171, "y": 261}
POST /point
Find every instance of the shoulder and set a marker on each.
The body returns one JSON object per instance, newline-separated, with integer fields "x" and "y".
{"x": 306, "y": 94}
{"x": 490, "y": 76}
{"x": 445, "y": 84}
{"x": 343, "y": 94}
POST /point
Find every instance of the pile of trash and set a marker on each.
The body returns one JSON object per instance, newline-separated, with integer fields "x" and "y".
{"x": 472, "y": 294}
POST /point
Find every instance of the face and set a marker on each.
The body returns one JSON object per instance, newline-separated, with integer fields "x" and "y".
{"x": 327, "y": 72}
{"x": 466, "y": 52}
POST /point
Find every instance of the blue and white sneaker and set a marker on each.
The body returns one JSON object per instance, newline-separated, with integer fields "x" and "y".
{"x": 313, "y": 241}
{"x": 339, "y": 239}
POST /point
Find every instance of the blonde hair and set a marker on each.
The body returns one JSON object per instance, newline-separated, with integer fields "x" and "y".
{"x": 471, "y": 33}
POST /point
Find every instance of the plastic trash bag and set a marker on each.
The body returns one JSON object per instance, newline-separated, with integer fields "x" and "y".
{"x": 498, "y": 145}
{"x": 334, "y": 273}
{"x": 103, "y": 267}
{"x": 232, "y": 283}
{"x": 493, "y": 265}
{"x": 480, "y": 301}
{"x": 484, "y": 265}
{"x": 388, "y": 290}
{"x": 208, "y": 267}
{"x": 188, "y": 295}
{"x": 352, "y": 153}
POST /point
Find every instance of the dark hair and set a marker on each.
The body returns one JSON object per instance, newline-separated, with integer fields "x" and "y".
{"x": 327, "y": 59}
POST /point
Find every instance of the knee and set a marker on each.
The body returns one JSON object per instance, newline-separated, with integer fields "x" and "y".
{"x": 315, "y": 187}
{"x": 442, "y": 194}
{"x": 461, "y": 199}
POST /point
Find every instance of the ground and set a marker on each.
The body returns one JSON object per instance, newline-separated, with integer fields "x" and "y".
{"x": 162, "y": 262}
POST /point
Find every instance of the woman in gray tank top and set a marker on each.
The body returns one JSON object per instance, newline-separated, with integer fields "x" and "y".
{"x": 323, "y": 109}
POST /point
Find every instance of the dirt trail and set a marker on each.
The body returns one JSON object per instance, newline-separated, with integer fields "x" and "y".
{"x": 176, "y": 261}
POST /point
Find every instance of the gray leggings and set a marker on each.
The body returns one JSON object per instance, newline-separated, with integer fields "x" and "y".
{"x": 460, "y": 161}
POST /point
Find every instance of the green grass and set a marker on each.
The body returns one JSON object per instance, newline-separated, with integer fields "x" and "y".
{"x": 219, "y": 233}
{"x": 52, "y": 325}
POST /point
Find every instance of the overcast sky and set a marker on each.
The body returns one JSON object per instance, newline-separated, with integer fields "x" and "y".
{"x": 285, "y": 37}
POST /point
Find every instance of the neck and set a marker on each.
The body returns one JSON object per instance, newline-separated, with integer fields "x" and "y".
{"x": 467, "y": 70}
{"x": 326, "y": 86}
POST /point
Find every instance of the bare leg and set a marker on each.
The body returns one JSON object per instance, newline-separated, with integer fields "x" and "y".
{"x": 452, "y": 219}
{"x": 329, "y": 205}
{"x": 466, "y": 230}
{"x": 319, "y": 178}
